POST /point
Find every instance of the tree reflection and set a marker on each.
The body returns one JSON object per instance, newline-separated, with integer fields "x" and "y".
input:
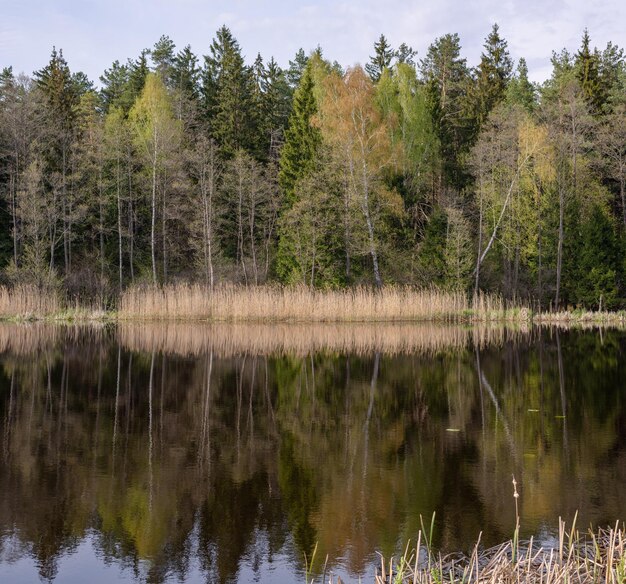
{"x": 170, "y": 462}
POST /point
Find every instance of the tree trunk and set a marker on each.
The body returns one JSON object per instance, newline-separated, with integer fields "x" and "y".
{"x": 119, "y": 224}
{"x": 131, "y": 224}
{"x": 153, "y": 222}
{"x": 559, "y": 251}
{"x": 240, "y": 229}
{"x": 370, "y": 227}
{"x": 480, "y": 240}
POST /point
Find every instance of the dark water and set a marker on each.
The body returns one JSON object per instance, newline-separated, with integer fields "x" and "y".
{"x": 199, "y": 454}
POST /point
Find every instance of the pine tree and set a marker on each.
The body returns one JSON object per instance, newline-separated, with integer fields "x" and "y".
{"x": 164, "y": 60}
{"x": 186, "y": 72}
{"x": 383, "y": 54}
{"x": 55, "y": 82}
{"x": 137, "y": 73}
{"x": 186, "y": 82}
{"x": 302, "y": 139}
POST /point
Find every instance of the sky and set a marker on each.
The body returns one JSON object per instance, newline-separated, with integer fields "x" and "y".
{"x": 94, "y": 33}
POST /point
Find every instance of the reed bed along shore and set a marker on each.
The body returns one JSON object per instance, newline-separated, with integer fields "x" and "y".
{"x": 27, "y": 302}
{"x": 595, "y": 557}
{"x": 275, "y": 304}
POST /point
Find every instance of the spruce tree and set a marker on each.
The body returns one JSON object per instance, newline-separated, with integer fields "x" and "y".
{"x": 520, "y": 90}
{"x": 186, "y": 72}
{"x": 597, "y": 262}
{"x": 381, "y": 60}
{"x": 274, "y": 107}
{"x": 229, "y": 96}
{"x": 296, "y": 69}
{"x": 587, "y": 73}
{"x": 114, "y": 82}
{"x": 447, "y": 77}
{"x": 302, "y": 139}
{"x": 493, "y": 74}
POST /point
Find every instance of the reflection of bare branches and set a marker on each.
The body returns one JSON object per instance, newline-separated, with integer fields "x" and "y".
{"x": 150, "y": 472}
{"x": 117, "y": 401}
{"x": 484, "y": 383}
{"x": 562, "y": 390}
{"x": 9, "y": 416}
{"x": 370, "y": 409}
{"x": 204, "y": 450}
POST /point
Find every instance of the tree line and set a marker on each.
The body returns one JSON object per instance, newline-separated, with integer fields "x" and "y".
{"x": 420, "y": 171}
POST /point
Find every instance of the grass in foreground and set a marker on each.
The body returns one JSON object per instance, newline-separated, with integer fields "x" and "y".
{"x": 598, "y": 556}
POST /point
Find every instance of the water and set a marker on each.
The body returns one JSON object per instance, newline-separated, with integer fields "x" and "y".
{"x": 225, "y": 454}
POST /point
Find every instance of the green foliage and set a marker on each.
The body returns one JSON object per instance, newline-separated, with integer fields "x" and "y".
{"x": 344, "y": 178}
{"x": 447, "y": 80}
{"x": 228, "y": 93}
{"x": 493, "y": 75}
{"x": 310, "y": 247}
{"x": 302, "y": 138}
{"x": 164, "y": 60}
{"x": 274, "y": 105}
{"x": 598, "y": 261}
{"x": 431, "y": 260}
{"x": 520, "y": 90}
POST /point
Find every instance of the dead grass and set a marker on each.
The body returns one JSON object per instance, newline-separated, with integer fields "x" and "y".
{"x": 272, "y": 303}
{"x": 597, "y": 556}
{"x": 582, "y": 317}
{"x": 27, "y": 302}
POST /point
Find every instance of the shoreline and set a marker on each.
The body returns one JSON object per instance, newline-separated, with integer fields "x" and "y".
{"x": 275, "y": 305}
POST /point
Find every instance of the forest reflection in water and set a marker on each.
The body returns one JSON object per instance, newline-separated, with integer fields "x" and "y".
{"x": 218, "y": 453}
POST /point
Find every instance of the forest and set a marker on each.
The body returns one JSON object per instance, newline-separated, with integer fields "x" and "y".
{"x": 417, "y": 170}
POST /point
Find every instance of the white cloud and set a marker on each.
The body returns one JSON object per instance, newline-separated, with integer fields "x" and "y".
{"x": 93, "y": 33}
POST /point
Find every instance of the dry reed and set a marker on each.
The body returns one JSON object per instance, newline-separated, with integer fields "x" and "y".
{"x": 187, "y": 302}
{"x": 598, "y": 556}
{"x": 27, "y": 302}
{"x": 269, "y": 303}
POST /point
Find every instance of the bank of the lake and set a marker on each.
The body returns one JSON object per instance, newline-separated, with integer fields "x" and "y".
{"x": 184, "y": 302}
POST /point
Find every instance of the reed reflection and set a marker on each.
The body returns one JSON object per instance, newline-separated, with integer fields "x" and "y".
{"x": 196, "y": 451}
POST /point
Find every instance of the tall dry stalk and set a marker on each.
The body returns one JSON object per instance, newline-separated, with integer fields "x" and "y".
{"x": 272, "y": 303}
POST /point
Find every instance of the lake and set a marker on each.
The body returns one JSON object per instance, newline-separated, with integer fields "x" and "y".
{"x": 229, "y": 453}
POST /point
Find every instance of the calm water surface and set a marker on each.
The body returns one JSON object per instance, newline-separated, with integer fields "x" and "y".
{"x": 225, "y": 454}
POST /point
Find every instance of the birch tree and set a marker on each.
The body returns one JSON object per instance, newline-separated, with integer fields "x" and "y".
{"x": 157, "y": 136}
